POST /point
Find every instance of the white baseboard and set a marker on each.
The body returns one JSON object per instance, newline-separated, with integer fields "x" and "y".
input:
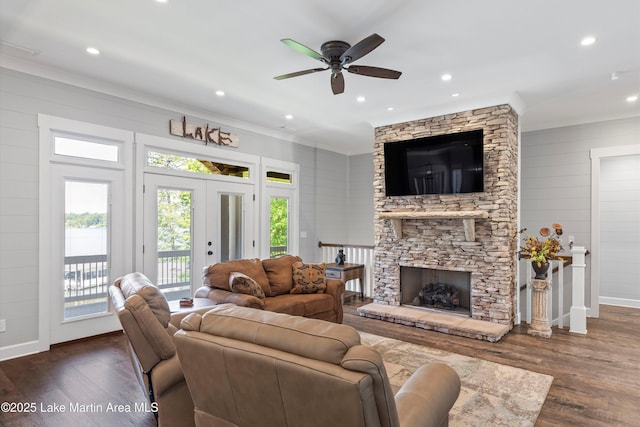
{"x": 20, "y": 350}
{"x": 621, "y": 302}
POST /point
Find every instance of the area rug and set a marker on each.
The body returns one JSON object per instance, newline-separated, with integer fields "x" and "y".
{"x": 491, "y": 394}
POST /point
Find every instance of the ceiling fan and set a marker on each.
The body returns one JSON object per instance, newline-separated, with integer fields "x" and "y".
{"x": 336, "y": 55}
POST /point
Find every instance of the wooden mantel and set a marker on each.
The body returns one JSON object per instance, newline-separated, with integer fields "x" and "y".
{"x": 468, "y": 220}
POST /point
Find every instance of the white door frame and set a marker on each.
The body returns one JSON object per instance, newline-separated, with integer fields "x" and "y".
{"x": 49, "y": 127}
{"x": 205, "y": 220}
{"x": 145, "y": 142}
{"x": 597, "y": 154}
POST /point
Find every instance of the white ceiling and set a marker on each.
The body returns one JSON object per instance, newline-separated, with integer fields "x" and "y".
{"x": 177, "y": 54}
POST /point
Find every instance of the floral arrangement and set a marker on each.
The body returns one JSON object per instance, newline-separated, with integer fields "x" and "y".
{"x": 541, "y": 251}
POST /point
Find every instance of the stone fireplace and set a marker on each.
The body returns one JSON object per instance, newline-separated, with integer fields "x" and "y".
{"x": 474, "y": 233}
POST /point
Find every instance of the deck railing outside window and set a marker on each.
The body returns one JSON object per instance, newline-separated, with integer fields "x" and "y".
{"x": 86, "y": 278}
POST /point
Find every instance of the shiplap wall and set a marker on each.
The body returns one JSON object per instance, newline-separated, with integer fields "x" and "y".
{"x": 23, "y": 96}
{"x": 556, "y": 174}
{"x": 331, "y": 199}
{"x": 360, "y": 215}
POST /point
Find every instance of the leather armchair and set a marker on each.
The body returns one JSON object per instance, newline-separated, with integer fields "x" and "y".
{"x": 272, "y": 370}
{"x": 145, "y": 317}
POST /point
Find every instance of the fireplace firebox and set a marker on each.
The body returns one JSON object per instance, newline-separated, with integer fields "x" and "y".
{"x": 429, "y": 288}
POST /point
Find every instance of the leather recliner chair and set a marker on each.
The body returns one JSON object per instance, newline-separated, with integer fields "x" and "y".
{"x": 256, "y": 368}
{"x": 145, "y": 317}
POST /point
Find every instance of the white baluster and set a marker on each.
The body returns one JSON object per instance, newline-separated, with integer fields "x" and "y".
{"x": 560, "y": 294}
{"x": 528, "y": 292}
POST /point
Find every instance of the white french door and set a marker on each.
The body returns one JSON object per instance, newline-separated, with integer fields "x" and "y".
{"x": 190, "y": 223}
{"x": 83, "y": 264}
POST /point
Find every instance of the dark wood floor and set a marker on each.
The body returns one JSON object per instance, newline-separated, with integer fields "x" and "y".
{"x": 596, "y": 377}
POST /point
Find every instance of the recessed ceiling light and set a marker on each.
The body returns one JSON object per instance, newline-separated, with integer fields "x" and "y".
{"x": 162, "y": 1}
{"x": 389, "y": 108}
{"x": 361, "y": 99}
{"x": 93, "y": 51}
{"x": 632, "y": 98}
{"x": 220, "y": 92}
{"x": 446, "y": 77}
{"x": 288, "y": 116}
{"x": 455, "y": 94}
{"x": 588, "y": 41}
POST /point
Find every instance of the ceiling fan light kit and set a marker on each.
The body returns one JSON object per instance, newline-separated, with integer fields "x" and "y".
{"x": 336, "y": 55}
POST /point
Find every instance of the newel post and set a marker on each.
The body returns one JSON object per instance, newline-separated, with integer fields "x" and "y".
{"x": 578, "y": 314}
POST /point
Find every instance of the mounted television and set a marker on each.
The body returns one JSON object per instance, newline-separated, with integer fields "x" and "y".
{"x": 443, "y": 164}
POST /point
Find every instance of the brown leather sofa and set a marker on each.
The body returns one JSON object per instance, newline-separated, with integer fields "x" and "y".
{"x": 275, "y": 277}
{"x": 148, "y": 324}
{"x": 271, "y": 370}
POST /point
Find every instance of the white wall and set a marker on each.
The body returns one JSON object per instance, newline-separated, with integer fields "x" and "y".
{"x": 556, "y": 176}
{"x": 23, "y": 96}
{"x": 620, "y": 230}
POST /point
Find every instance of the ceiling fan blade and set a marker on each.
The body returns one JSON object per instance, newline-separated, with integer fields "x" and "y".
{"x": 304, "y": 50}
{"x": 337, "y": 83}
{"x": 361, "y": 48}
{"x": 384, "y": 73}
{"x": 300, "y": 73}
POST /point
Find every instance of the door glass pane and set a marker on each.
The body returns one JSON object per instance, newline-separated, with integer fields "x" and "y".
{"x": 279, "y": 227}
{"x": 86, "y": 261}
{"x": 231, "y": 232}
{"x": 174, "y": 242}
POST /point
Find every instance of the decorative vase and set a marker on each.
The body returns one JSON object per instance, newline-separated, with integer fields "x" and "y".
{"x": 541, "y": 271}
{"x": 340, "y": 258}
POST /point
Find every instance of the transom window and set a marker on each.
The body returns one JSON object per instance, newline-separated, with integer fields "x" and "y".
{"x": 64, "y": 146}
{"x": 191, "y": 164}
{"x": 283, "y": 177}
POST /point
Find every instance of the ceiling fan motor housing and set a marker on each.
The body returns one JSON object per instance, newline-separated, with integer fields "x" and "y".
{"x": 333, "y": 50}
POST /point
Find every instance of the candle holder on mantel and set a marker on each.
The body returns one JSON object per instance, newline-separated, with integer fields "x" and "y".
{"x": 540, "y": 323}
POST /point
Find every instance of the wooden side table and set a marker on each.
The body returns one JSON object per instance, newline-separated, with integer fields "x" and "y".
{"x": 347, "y": 271}
{"x": 174, "y": 306}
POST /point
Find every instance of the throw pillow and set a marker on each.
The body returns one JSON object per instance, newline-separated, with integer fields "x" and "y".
{"x": 217, "y": 275}
{"x": 309, "y": 278}
{"x": 279, "y": 271}
{"x": 243, "y": 284}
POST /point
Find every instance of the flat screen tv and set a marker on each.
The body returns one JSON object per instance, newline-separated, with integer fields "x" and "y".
{"x": 443, "y": 164}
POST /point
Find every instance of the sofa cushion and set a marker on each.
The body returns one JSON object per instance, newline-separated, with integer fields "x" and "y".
{"x": 243, "y": 284}
{"x": 280, "y": 273}
{"x": 309, "y": 278}
{"x": 307, "y": 305}
{"x": 139, "y": 284}
{"x": 217, "y": 275}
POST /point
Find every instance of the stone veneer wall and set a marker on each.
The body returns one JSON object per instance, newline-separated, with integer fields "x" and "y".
{"x": 440, "y": 243}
